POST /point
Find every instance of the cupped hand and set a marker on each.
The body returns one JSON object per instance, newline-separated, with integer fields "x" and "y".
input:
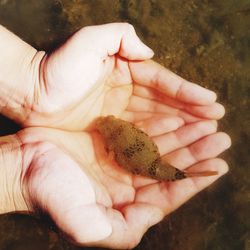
{"x": 106, "y": 69}
{"x": 95, "y": 202}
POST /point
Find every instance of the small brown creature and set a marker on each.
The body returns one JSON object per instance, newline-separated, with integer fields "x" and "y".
{"x": 135, "y": 151}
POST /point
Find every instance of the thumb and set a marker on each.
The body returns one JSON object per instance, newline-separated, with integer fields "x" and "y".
{"x": 113, "y": 38}
{"x": 58, "y": 186}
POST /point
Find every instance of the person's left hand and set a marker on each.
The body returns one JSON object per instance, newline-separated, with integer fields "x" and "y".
{"x": 97, "y": 203}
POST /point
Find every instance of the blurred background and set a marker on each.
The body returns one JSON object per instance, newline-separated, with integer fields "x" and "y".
{"x": 204, "y": 41}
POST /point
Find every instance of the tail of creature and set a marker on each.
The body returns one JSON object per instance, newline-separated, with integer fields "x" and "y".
{"x": 198, "y": 174}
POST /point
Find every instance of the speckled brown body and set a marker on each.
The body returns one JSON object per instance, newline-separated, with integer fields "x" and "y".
{"x": 134, "y": 150}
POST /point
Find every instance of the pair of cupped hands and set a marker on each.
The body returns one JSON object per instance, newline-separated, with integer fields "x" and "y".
{"x": 59, "y": 161}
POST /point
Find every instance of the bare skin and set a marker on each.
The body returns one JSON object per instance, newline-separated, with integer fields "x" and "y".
{"x": 67, "y": 175}
{"x": 86, "y": 76}
{"x": 63, "y": 172}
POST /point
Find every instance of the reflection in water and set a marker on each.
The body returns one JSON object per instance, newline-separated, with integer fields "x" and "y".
{"x": 204, "y": 41}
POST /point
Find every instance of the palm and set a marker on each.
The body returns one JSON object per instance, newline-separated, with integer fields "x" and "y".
{"x": 104, "y": 186}
{"x": 80, "y": 85}
{"x": 88, "y": 77}
{"x": 109, "y": 92}
{"x": 115, "y": 92}
{"x": 95, "y": 197}
{"x": 79, "y": 81}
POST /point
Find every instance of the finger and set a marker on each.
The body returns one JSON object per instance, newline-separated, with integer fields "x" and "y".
{"x": 137, "y": 116}
{"x": 129, "y": 225}
{"x": 59, "y": 187}
{"x": 212, "y": 111}
{"x": 206, "y": 148}
{"x": 134, "y": 117}
{"x": 115, "y": 38}
{"x": 152, "y": 74}
{"x": 156, "y": 95}
{"x": 160, "y": 125}
{"x": 139, "y": 104}
{"x": 184, "y": 136}
{"x": 170, "y": 195}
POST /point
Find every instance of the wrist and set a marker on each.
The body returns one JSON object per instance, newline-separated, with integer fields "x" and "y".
{"x": 19, "y": 73}
{"x": 11, "y": 193}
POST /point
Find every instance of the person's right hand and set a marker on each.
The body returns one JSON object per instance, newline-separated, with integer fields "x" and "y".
{"x": 92, "y": 200}
{"x": 104, "y": 70}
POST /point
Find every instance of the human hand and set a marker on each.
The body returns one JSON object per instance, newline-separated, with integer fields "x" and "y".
{"x": 178, "y": 115}
{"x": 88, "y": 77}
{"x": 92, "y": 200}
{"x": 76, "y": 79}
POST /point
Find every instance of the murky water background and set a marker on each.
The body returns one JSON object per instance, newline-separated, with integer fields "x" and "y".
{"x": 205, "y": 41}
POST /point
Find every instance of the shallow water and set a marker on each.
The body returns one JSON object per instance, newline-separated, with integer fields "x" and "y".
{"x": 204, "y": 41}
